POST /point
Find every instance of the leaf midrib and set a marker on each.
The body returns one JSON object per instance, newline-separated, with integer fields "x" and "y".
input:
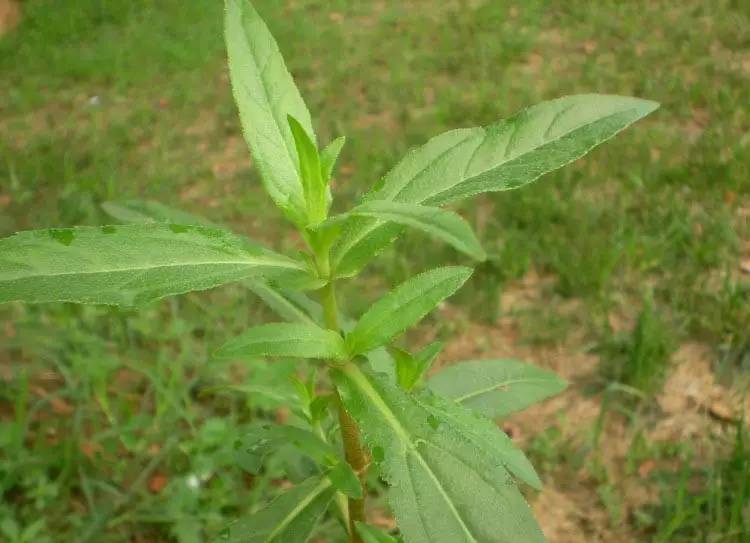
{"x": 479, "y": 392}
{"x": 336, "y": 349}
{"x": 364, "y": 232}
{"x": 280, "y": 264}
{"x": 314, "y": 493}
{"x": 409, "y": 300}
{"x": 424, "y": 218}
{"x": 364, "y": 385}
{"x": 541, "y": 147}
{"x": 270, "y": 104}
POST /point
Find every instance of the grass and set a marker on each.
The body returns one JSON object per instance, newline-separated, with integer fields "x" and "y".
{"x": 706, "y": 503}
{"x": 640, "y": 358}
{"x": 116, "y": 426}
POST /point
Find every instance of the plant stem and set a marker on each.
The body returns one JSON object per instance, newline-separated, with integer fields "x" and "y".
{"x": 330, "y": 308}
{"x": 354, "y": 453}
{"x": 357, "y": 459}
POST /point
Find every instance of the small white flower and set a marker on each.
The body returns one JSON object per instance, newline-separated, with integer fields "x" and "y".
{"x": 193, "y": 481}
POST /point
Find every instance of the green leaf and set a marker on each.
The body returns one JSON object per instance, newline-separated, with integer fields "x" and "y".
{"x": 444, "y": 225}
{"x": 289, "y": 305}
{"x": 263, "y": 440}
{"x": 313, "y": 184}
{"x": 296, "y": 307}
{"x": 411, "y": 368}
{"x": 131, "y": 264}
{"x": 503, "y": 156}
{"x": 404, "y": 306}
{"x": 443, "y": 487}
{"x": 285, "y": 339}
{"x": 370, "y": 534}
{"x": 484, "y": 435}
{"x": 342, "y": 476}
{"x": 381, "y": 361}
{"x": 495, "y": 388}
{"x": 319, "y": 407}
{"x": 290, "y": 518}
{"x": 147, "y": 211}
{"x": 329, "y": 156}
{"x": 428, "y": 354}
{"x": 266, "y": 94}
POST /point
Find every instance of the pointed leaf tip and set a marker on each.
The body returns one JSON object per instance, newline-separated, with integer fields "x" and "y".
{"x": 504, "y": 156}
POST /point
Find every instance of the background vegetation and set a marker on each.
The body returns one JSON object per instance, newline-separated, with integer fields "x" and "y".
{"x": 628, "y": 273}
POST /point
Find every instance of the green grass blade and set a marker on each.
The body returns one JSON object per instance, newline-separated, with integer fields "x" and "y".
{"x": 130, "y": 264}
{"x": 443, "y": 487}
{"x": 495, "y": 388}
{"x": 285, "y": 339}
{"x": 266, "y": 94}
{"x": 404, "y": 306}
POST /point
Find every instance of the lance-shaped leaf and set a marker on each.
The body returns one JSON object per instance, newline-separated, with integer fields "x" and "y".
{"x": 444, "y": 488}
{"x": 290, "y": 518}
{"x": 285, "y": 339}
{"x": 266, "y": 94}
{"x": 296, "y": 307}
{"x": 145, "y": 211}
{"x": 495, "y": 388}
{"x": 289, "y": 305}
{"x": 130, "y": 264}
{"x": 411, "y": 367}
{"x": 483, "y": 434}
{"x": 404, "y": 306}
{"x": 314, "y": 187}
{"x": 444, "y": 225}
{"x": 503, "y": 156}
{"x": 263, "y": 440}
{"x": 371, "y": 534}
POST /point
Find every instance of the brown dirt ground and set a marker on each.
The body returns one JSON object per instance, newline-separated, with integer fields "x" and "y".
{"x": 691, "y": 406}
{"x": 10, "y": 15}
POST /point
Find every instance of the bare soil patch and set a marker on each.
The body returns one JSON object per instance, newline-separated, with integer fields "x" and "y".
{"x": 692, "y": 406}
{"x": 10, "y": 15}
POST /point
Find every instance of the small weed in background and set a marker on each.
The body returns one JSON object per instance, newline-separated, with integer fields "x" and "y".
{"x": 639, "y": 359}
{"x": 706, "y": 503}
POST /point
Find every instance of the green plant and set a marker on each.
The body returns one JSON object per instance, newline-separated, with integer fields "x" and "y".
{"x": 639, "y": 359}
{"x": 704, "y": 501}
{"x": 450, "y": 470}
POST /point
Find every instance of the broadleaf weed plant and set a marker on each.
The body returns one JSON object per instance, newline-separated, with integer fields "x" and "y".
{"x": 450, "y": 471}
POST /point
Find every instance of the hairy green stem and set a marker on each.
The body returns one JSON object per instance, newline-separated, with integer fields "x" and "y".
{"x": 330, "y": 308}
{"x": 355, "y": 454}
